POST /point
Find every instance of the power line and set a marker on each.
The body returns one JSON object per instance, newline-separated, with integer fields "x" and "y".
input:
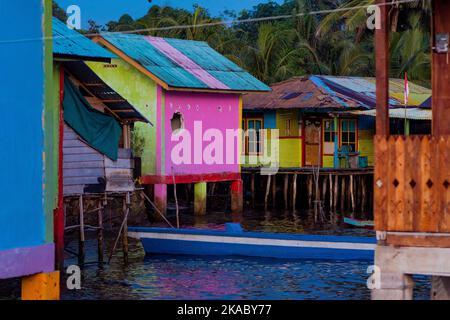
{"x": 229, "y": 22}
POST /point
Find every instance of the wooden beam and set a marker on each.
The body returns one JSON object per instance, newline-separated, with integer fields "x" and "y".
{"x": 126, "y": 58}
{"x": 190, "y": 178}
{"x": 76, "y": 81}
{"x": 382, "y": 70}
{"x": 113, "y": 101}
{"x": 440, "y": 71}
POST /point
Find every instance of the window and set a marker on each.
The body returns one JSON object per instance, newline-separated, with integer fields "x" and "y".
{"x": 177, "y": 121}
{"x": 348, "y": 134}
{"x": 253, "y": 138}
{"x": 328, "y": 130}
{"x": 287, "y": 127}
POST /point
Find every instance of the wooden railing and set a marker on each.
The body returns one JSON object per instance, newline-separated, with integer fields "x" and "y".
{"x": 412, "y": 184}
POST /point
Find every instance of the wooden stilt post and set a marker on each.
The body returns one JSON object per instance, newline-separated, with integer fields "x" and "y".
{"x": 342, "y": 195}
{"x": 335, "y": 198}
{"x": 252, "y": 188}
{"x": 363, "y": 196}
{"x": 285, "y": 191}
{"x": 81, "y": 233}
{"x": 324, "y": 189}
{"x": 294, "y": 193}
{"x": 310, "y": 191}
{"x": 352, "y": 194}
{"x": 200, "y": 198}
{"x": 237, "y": 196}
{"x": 330, "y": 179}
{"x": 266, "y": 198}
{"x": 188, "y": 190}
{"x": 127, "y": 203}
{"x": 274, "y": 191}
{"x": 100, "y": 232}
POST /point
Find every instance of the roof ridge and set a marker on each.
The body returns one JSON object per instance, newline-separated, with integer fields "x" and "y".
{"x": 292, "y": 79}
{"x": 155, "y": 37}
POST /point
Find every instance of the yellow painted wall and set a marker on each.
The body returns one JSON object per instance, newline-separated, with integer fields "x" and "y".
{"x": 328, "y": 161}
{"x": 290, "y": 148}
{"x": 366, "y": 146}
{"x": 140, "y": 91}
{"x": 290, "y": 153}
{"x": 290, "y": 142}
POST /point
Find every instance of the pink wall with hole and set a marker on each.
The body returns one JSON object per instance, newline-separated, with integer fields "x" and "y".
{"x": 215, "y": 111}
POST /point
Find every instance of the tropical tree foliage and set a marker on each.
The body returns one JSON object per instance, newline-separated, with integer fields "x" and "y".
{"x": 313, "y": 37}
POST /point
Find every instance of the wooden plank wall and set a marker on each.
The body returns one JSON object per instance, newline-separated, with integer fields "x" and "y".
{"x": 119, "y": 174}
{"x": 83, "y": 165}
{"x": 412, "y": 184}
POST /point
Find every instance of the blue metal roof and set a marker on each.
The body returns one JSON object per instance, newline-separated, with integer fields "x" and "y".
{"x": 185, "y": 63}
{"x": 69, "y": 43}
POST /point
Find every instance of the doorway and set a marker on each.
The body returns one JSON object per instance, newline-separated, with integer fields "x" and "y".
{"x": 313, "y": 152}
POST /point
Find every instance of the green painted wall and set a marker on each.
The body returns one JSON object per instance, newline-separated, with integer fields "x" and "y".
{"x": 140, "y": 91}
{"x": 50, "y": 124}
{"x": 51, "y": 144}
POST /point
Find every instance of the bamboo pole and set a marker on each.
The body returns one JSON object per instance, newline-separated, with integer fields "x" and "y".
{"x": 127, "y": 204}
{"x": 100, "y": 232}
{"x": 176, "y": 200}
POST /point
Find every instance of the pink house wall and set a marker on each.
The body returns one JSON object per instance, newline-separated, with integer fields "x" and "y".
{"x": 219, "y": 111}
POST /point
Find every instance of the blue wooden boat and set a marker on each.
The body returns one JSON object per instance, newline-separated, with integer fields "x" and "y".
{"x": 234, "y": 241}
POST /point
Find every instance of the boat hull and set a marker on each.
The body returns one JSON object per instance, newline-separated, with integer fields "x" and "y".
{"x": 253, "y": 244}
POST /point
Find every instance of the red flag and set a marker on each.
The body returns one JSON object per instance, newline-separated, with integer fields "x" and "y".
{"x": 406, "y": 90}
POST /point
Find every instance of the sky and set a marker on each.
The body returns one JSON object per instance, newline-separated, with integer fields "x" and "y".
{"x": 103, "y": 11}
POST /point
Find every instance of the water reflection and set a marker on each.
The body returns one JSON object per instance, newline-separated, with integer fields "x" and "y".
{"x": 188, "y": 277}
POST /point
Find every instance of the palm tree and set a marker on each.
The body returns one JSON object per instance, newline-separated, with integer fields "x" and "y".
{"x": 353, "y": 14}
{"x": 410, "y": 52}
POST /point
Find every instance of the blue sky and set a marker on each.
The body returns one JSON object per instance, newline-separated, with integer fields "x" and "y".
{"x": 103, "y": 11}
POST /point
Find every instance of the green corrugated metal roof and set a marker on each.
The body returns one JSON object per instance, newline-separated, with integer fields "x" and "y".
{"x": 185, "y": 63}
{"x": 69, "y": 43}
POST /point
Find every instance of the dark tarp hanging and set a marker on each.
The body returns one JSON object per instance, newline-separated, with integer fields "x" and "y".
{"x": 99, "y": 130}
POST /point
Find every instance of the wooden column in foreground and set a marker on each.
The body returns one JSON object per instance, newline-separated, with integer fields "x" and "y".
{"x": 441, "y": 71}
{"x": 382, "y": 70}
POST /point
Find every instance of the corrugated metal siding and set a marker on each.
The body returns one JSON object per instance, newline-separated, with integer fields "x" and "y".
{"x": 70, "y": 42}
{"x": 163, "y": 67}
{"x": 364, "y": 90}
{"x": 298, "y": 93}
{"x": 399, "y": 113}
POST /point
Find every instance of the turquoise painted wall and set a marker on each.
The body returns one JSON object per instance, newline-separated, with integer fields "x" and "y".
{"x": 141, "y": 92}
{"x": 25, "y": 91}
